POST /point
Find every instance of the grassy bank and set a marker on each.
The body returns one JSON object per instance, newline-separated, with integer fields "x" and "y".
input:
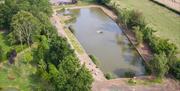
{"x": 166, "y": 22}
{"x": 164, "y": 51}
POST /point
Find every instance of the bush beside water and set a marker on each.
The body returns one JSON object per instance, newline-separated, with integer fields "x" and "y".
{"x": 132, "y": 18}
{"x": 129, "y": 74}
{"x": 109, "y": 76}
{"x": 94, "y": 59}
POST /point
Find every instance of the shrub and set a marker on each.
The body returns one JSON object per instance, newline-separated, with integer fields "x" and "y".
{"x": 159, "y": 46}
{"x": 129, "y": 74}
{"x": 159, "y": 65}
{"x": 109, "y": 76}
{"x": 138, "y": 35}
{"x": 147, "y": 33}
{"x": 132, "y": 81}
{"x": 102, "y": 1}
{"x": 176, "y": 70}
{"x": 94, "y": 59}
{"x": 130, "y": 18}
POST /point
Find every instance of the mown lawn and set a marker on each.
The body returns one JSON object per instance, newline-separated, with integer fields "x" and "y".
{"x": 166, "y": 22}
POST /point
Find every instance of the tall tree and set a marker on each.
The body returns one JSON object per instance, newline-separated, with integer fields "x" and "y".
{"x": 81, "y": 81}
{"x": 61, "y": 68}
{"x": 25, "y": 26}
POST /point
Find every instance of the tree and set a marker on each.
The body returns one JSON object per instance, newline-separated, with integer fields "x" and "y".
{"x": 159, "y": 65}
{"x": 25, "y": 27}
{"x": 61, "y": 68}
{"x": 40, "y": 6}
{"x": 1, "y": 53}
{"x": 41, "y": 50}
{"x": 2, "y": 20}
{"x": 81, "y": 81}
{"x": 59, "y": 49}
{"x": 46, "y": 27}
{"x": 12, "y": 7}
{"x": 42, "y": 70}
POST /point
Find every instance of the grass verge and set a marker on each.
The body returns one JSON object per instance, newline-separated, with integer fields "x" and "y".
{"x": 161, "y": 19}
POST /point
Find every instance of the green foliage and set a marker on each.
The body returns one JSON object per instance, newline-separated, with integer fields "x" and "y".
{"x": 94, "y": 59}
{"x": 41, "y": 50}
{"x": 138, "y": 35}
{"x": 2, "y": 19}
{"x": 102, "y": 1}
{"x": 129, "y": 74}
{"x": 58, "y": 50}
{"x": 80, "y": 82}
{"x": 159, "y": 65}
{"x": 24, "y": 26}
{"x": 157, "y": 17}
{"x": 42, "y": 68}
{"x": 147, "y": 33}
{"x": 161, "y": 47}
{"x": 109, "y": 76}
{"x": 60, "y": 67}
{"x": 175, "y": 70}
{"x": 46, "y": 27}
{"x": 1, "y": 53}
{"x": 12, "y": 7}
{"x": 40, "y": 6}
{"x": 132, "y": 81}
{"x": 130, "y": 18}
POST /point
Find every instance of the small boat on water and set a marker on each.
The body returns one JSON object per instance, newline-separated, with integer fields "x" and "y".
{"x": 99, "y": 32}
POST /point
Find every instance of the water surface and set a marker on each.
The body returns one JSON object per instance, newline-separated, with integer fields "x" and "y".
{"x": 112, "y": 48}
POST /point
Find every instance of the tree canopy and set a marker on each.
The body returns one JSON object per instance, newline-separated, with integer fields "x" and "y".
{"x": 57, "y": 65}
{"x": 12, "y": 7}
{"x": 60, "y": 67}
{"x": 24, "y": 25}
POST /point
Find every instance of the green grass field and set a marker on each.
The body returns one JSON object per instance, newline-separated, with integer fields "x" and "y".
{"x": 6, "y": 47}
{"x": 20, "y": 76}
{"x": 166, "y": 22}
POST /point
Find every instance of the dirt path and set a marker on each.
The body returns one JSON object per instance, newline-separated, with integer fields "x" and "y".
{"x": 174, "y": 4}
{"x": 121, "y": 84}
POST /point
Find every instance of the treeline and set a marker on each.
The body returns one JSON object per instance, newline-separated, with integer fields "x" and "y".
{"x": 27, "y": 22}
{"x": 165, "y": 59}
